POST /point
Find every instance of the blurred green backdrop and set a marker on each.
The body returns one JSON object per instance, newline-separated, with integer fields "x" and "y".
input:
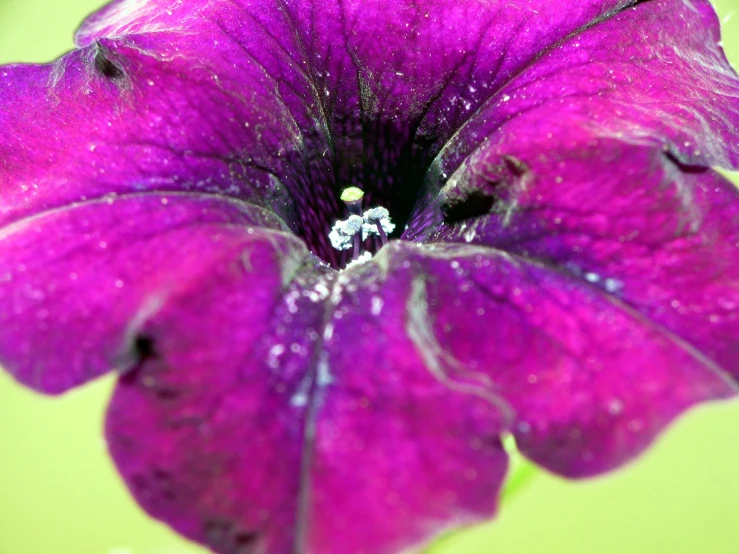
{"x": 59, "y": 493}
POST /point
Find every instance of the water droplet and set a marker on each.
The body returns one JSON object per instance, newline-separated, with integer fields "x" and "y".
{"x": 377, "y": 304}
{"x": 615, "y": 406}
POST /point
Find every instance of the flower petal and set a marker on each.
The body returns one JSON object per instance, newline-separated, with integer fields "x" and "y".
{"x": 147, "y": 109}
{"x": 626, "y": 219}
{"x": 117, "y": 117}
{"x": 127, "y": 17}
{"x": 400, "y": 67}
{"x": 448, "y": 54}
{"x": 653, "y": 74}
{"x": 304, "y": 99}
{"x": 401, "y": 454}
{"x": 364, "y": 413}
{"x": 590, "y": 381}
{"x": 76, "y": 283}
{"x": 267, "y": 427}
{"x": 206, "y": 431}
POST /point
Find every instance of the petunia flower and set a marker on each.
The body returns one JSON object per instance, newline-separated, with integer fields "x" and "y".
{"x": 564, "y": 268}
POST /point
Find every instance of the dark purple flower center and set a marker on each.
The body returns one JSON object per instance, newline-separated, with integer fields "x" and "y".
{"x": 387, "y": 159}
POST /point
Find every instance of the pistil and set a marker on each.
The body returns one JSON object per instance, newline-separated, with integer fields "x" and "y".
{"x": 352, "y": 197}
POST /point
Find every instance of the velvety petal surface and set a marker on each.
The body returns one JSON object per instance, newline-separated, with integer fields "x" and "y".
{"x": 402, "y": 452}
{"x": 653, "y": 74}
{"x": 284, "y": 104}
{"x": 116, "y": 118}
{"x": 437, "y": 64}
{"x": 206, "y": 430}
{"x": 375, "y": 392}
{"x": 589, "y": 381}
{"x": 430, "y": 57}
{"x": 626, "y": 220}
{"x": 77, "y": 283}
{"x": 285, "y": 436}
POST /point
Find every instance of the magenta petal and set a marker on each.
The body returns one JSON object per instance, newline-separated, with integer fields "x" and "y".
{"x": 254, "y": 425}
{"x": 240, "y": 98}
{"x": 625, "y": 219}
{"x": 435, "y": 59}
{"x": 274, "y": 415}
{"x": 119, "y": 117}
{"x": 283, "y": 104}
{"x": 205, "y": 430}
{"x": 590, "y": 382}
{"x": 76, "y": 283}
{"x": 654, "y": 74}
{"x": 401, "y": 453}
{"x": 126, "y": 17}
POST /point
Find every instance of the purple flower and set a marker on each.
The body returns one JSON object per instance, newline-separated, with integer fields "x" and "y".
{"x": 564, "y": 265}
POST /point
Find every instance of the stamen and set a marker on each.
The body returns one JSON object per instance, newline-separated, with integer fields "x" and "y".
{"x": 383, "y": 236}
{"x": 344, "y": 233}
{"x": 377, "y": 222}
{"x": 357, "y": 246}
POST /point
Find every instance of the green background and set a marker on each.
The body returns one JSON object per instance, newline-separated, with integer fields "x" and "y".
{"x": 59, "y": 493}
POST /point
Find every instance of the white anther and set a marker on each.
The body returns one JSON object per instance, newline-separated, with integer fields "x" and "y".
{"x": 343, "y": 231}
{"x": 372, "y": 217}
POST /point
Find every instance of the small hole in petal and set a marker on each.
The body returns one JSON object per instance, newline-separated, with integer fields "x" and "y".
{"x": 141, "y": 349}
{"x": 223, "y": 536}
{"x": 164, "y": 392}
{"x": 493, "y": 188}
{"x": 143, "y": 346}
{"x": 162, "y": 485}
{"x": 106, "y": 67}
{"x": 474, "y": 204}
{"x": 245, "y": 540}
